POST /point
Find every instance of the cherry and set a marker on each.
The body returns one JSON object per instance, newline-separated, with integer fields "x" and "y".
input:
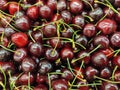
{"x": 116, "y": 61}
{"x": 101, "y": 40}
{"x": 76, "y": 6}
{"x": 36, "y": 49}
{"x": 5, "y": 21}
{"x": 26, "y": 78}
{"x": 66, "y": 53}
{"x": 52, "y": 4}
{"x": 28, "y": 64}
{"x": 20, "y": 54}
{"x": 41, "y": 87}
{"x": 20, "y": 39}
{"x": 18, "y": 14}
{"x": 105, "y": 72}
{"x": 87, "y": 5}
{"x": 107, "y": 26}
{"x": 79, "y": 72}
{"x": 61, "y": 5}
{"x": 109, "y": 86}
{"x": 23, "y": 23}
{"x": 41, "y": 78}
{"x": 44, "y": 67}
{"x": 117, "y": 3}
{"x": 86, "y": 56}
{"x": 117, "y": 16}
{"x": 99, "y": 59}
{"x": 4, "y": 41}
{"x": 55, "y": 17}
{"x": 67, "y": 74}
{"x": 3, "y": 5}
{"x": 78, "y": 20}
{"x": 108, "y": 12}
{"x": 45, "y": 12}
{"x": 32, "y": 12}
{"x": 117, "y": 75}
{"x": 66, "y": 16}
{"x": 83, "y": 87}
{"x": 51, "y": 54}
{"x": 50, "y": 30}
{"x": 13, "y": 7}
{"x": 60, "y": 84}
{"x": 90, "y": 72}
{"x": 89, "y": 30}
{"x": 8, "y": 31}
{"x": 115, "y": 39}
{"x": 67, "y": 33}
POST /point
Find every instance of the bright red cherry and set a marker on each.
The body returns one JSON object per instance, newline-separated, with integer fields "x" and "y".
{"x": 20, "y": 39}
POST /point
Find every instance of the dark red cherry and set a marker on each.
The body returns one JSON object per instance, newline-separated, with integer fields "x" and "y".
{"x": 84, "y": 56}
{"x": 20, "y": 39}
{"x": 89, "y": 30}
{"x": 108, "y": 86}
{"x": 117, "y": 16}
{"x": 99, "y": 59}
{"x": 79, "y": 72}
{"x": 88, "y": 3}
{"x": 51, "y": 54}
{"x": 20, "y": 54}
{"x": 4, "y": 41}
{"x": 23, "y": 23}
{"x": 56, "y": 17}
{"x": 115, "y": 39}
{"x": 32, "y": 12}
{"x": 28, "y": 64}
{"x": 55, "y": 42}
{"x": 116, "y": 61}
{"x": 117, "y": 3}
{"x": 40, "y": 87}
{"x": 107, "y": 26}
{"x": 52, "y": 4}
{"x": 76, "y": 6}
{"x": 78, "y": 20}
{"x": 41, "y": 78}
{"x": 50, "y": 30}
{"x": 84, "y": 87}
{"x": 90, "y": 72}
{"x": 18, "y": 14}
{"x": 37, "y": 35}
{"x": 8, "y": 31}
{"x": 67, "y": 74}
{"x": 13, "y": 7}
{"x": 36, "y": 49}
{"x": 3, "y": 5}
{"x": 44, "y": 67}
{"x": 117, "y": 75}
{"x": 26, "y": 78}
{"x": 45, "y": 12}
{"x": 108, "y": 12}
{"x": 105, "y": 72}
{"x": 61, "y": 5}
{"x": 101, "y": 40}
{"x": 60, "y": 84}
{"x": 66, "y": 53}
{"x": 66, "y": 16}
{"x": 4, "y": 55}
{"x": 5, "y": 21}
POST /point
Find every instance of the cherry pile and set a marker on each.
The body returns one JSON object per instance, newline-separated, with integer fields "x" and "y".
{"x": 59, "y": 45}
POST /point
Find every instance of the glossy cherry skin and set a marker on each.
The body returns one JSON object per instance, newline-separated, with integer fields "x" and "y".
{"x": 116, "y": 61}
{"x": 115, "y": 39}
{"x": 109, "y": 86}
{"x": 32, "y": 12}
{"x": 78, "y": 20}
{"x": 44, "y": 67}
{"x": 20, "y": 54}
{"x": 89, "y": 30}
{"x": 4, "y": 55}
{"x": 13, "y": 7}
{"x": 20, "y": 39}
{"x": 45, "y": 12}
{"x": 4, "y": 41}
{"x": 51, "y": 54}
{"x": 25, "y": 78}
{"x": 55, "y": 17}
{"x": 107, "y": 26}
{"x": 84, "y": 56}
{"x": 101, "y": 40}
{"x": 66, "y": 53}
{"x": 99, "y": 59}
{"x": 105, "y": 72}
{"x": 41, "y": 87}
{"x": 36, "y": 49}
{"x": 60, "y": 84}
{"x": 23, "y": 23}
{"x": 28, "y": 64}
{"x": 79, "y": 83}
{"x": 117, "y": 3}
{"x": 8, "y": 31}
{"x": 117, "y": 75}
{"x": 76, "y": 6}
{"x": 67, "y": 74}
{"x": 50, "y": 30}
{"x": 52, "y": 4}
{"x": 66, "y": 16}
{"x": 41, "y": 78}
{"x": 3, "y": 5}
{"x": 108, "y": 12}
{"x": 61, "y": 5}
{"x": 67, "y": 33}
{"x": 79, "y": 72}
{"x": 90, "y": 72}
{"x": 87, "y": 6}
{"x": 18, "y": 14}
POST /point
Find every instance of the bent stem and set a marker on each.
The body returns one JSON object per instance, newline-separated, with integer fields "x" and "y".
{"x": 5, "y": 79}
{"x": 114, "y": 72}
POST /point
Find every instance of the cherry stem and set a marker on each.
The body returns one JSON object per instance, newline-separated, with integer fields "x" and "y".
{"x": 29, "y": 32}
{"x": 89, "y": 4}
{"x": 49, "y": 81}
{"x": 3, "y": 72}
{"x": 114, "y": 72}
{"x": 29, "y": 86}
{"x": 2, "y": 85}
{"x": 91, "y": 19}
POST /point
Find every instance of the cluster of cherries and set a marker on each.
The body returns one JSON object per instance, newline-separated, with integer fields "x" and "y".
{"x": 59, "y": 45}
